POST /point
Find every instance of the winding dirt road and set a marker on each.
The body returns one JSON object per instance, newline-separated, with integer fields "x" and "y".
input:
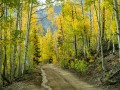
{"x": 59, "y": 79}
{"x": 52, "y": 78}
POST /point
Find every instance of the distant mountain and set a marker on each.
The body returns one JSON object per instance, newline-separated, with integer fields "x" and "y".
{"x": 47, "y": 23}
{"x": 57, "y": 9}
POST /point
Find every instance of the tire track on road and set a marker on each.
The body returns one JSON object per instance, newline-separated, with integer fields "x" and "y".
{"x": 44, "y": 80}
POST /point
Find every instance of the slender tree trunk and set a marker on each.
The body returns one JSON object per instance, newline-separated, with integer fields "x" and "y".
{"x": 118, "y": 23}
{"x": 5, "y": 47}
{"x": 11, "y": 63}
{"x": 19, "y": 46}
{"x": 113, "y": 47}
{"x": 103, "y": 24}
{"x": 75, "y": 37}
{"x": 84, "y": 48}
{"x": 99, "y": 34}
{"x": 27, "y": 37}
{"x": 62, "y": 30}
{"x": 98, "y": 46}
{"x": 55, "y": 46}
{"x": 103, "y": 27}
{"x": 84, "y": 35}
{"x": 13, "y": 66}
{"x": 1, "y": 57}
{"x": 1, "y": 54}
{"x": 4, "y": 63}
{"x": 1, "y": 83}
{"x": 91, "y": 23}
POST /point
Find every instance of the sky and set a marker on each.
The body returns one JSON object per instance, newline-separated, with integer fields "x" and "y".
{"x": 43, "y": 1}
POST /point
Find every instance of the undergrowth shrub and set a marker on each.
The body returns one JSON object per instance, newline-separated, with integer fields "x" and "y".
{"x": 64, "y": 63}
{"x": 81, "y": 66}
{"x": 72, "y": 65}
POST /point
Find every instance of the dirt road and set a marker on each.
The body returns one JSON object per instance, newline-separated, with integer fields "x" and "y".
{"x": 59, "y": 79}
{"x": 52, "y": 78}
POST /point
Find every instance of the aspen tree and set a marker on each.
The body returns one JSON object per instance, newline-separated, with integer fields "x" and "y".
{"x": 118, "y": 23}
{"x": 27, "y": 36}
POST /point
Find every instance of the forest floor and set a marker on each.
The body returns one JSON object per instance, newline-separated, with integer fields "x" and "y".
{"x": 51, "y": 77}
{"x": 96, "y": 75}
{"x": 31, "y": 81}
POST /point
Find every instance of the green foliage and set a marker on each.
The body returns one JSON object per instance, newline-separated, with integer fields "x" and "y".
{"x": 72, "y": 65}
{"x": 81, "y": 66}
{"x": 64, "y": 63}
{"x": 36, "y": 46}
{"x": 15, "y": 33}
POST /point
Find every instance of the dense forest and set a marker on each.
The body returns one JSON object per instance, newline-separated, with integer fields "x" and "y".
{"x": 86, "y": 32}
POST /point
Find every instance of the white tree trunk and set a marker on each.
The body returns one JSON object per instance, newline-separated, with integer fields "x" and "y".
{"x": 99, "y": 35}
{"x": 19, "y": 46}
{"x": 13, "y": 71}
{"x": 27, "y": 37}
{"x": 84, "y": 36}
